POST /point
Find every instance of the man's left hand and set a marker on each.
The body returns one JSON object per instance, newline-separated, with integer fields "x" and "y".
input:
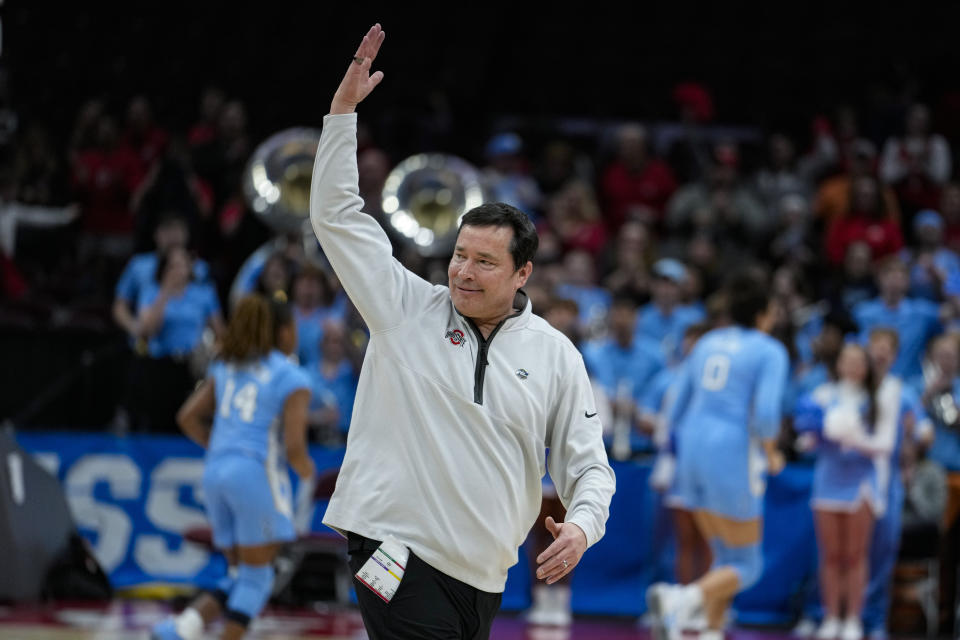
{"x": 568, "y": 545}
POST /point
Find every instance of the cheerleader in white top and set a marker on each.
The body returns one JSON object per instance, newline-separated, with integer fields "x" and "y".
{"x": 856, "y": 435}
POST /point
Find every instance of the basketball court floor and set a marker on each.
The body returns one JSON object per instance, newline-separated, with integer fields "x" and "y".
{"x": 130, "y": 620}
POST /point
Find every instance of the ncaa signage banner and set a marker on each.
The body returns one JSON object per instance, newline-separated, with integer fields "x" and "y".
{"x": 134, "y": 497}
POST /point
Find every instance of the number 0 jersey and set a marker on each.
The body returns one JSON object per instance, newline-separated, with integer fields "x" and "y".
{"x": 250, "y": 399}
{"x": 728, "y": 397}
{"x": 734, "y": 376}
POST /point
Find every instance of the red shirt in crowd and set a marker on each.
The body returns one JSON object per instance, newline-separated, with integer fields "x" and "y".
{"x": 104, "y": 181}
{"x": 883, "y": 236}
{"x": 201, "y": 133}
{"x": 623, "y": 189}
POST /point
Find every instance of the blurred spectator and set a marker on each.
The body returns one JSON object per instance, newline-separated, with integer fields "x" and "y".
{"x": 221, "y": 160}
{"x": 204, "y": 130}
{"x": 867, "y": 219}
{"x": 664, "y": 319}
{"x": 631, "y": 259}
{"x": 172, "y": 314}
{"x": 915, "y": 320}
{"x": 689, "y": 153}
{"x": 84, "y": 134}
{"x": 781, "y": 176}
{"x": 623, "y": 363}
{"x": 336, "y": 370}
{"x": 314, "y": 303}
{"x": 171, "y": 184}
{"x": 797, "y": 320}
{"x": 950, "y": 210}
{"x": 38, "y": 169}
{"x": 635, "y": 185}
{"x": 579, "y": 285}
{"x": 704, "y": 256}
{"x": 563, "y": 315}
{"x": 145, "y": 139}
{"x": 932, "y": 266}
{"x": 940, "y": 388}
{"x": 833, "y": 142}
{"x": 373, "y": 166}
{"x": 855, "y": 283}
{"x": 270, "y": 268}
{"x": 721, "y": 204}
{"x": 834, "y": 195}
{"x": 104, "y": 178}
{"x": 574, "y": 215}
{"x": 140, "y": 273}
{"x": 14, "y": 217}
{"x": 792, "y": 240}
{"x": 918, "y": 164}
{"x": 276, "y": 276}
{"x": 507, "y": 176}
{"x": 560, "y": 164}
{"x": 825, "y": 349}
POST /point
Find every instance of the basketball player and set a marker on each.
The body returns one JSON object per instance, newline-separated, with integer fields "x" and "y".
{"x": 256, "y": 398}
{"x": 727, "y": 411}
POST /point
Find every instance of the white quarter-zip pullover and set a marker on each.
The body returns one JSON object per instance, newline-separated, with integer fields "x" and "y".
{"x": 446, "y": 448}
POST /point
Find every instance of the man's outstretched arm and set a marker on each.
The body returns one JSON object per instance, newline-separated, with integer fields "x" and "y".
{"x": 381, "y": 288}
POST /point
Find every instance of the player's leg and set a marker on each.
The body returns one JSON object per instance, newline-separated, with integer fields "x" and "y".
{"x": 263, "y": 525}
{"x": 189, "y": 624}
{"x": 737, "y": 562}
{"x": 690, "y": 563}
{"x": 250, "y": 592}
{"x": 211, "y": 604}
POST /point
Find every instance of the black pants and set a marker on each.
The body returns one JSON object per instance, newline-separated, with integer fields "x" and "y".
{"x": 428, "y": 604}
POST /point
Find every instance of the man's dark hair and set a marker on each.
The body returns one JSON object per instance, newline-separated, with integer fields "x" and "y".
{"x": 524, "y": 244}
{"x": 747, "y": 297}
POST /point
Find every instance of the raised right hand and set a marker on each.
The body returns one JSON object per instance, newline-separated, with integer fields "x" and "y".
{"x": 358, "y": 82}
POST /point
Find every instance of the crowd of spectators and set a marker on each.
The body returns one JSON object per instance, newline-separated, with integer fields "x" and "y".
{"x": 637, "y": 227}
{"x": 146, "y": 228}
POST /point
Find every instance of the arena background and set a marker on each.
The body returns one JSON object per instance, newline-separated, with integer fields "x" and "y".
{"x": 578, "y": 70}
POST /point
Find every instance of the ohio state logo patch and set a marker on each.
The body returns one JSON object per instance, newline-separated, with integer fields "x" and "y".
{"x": 456, "y": 337}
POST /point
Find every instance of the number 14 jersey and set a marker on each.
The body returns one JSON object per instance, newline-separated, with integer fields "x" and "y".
{"x": 250, "y": 399}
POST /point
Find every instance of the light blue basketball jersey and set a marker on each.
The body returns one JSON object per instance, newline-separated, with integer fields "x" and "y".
{"x": 734, "y": 377}
{"x": 729, "y": 396}
{"x": 250, "y": 399}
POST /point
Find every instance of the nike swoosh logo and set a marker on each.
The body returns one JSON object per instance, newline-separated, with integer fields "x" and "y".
{"x": 589, "y": 415}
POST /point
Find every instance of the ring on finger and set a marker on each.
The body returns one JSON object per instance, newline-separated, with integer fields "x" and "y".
{"x": 358, "y": 59}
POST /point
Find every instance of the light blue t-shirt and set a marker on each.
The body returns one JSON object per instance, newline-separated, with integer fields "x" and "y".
{"x": 667, "y": 329}
{"x": 915, "y": 321}
{"x": 592, "y": 302}
{"x": 922, "y": 285}
{"x": 342, "y": 385}
{"x": 141, "y": 271}
{"x": 610, "y": 364}
{"x": 184, "y": 318}
{"x": 734, "y": 380}
{"x": 310, "y": 328}
{"x": 250, "y": 399}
